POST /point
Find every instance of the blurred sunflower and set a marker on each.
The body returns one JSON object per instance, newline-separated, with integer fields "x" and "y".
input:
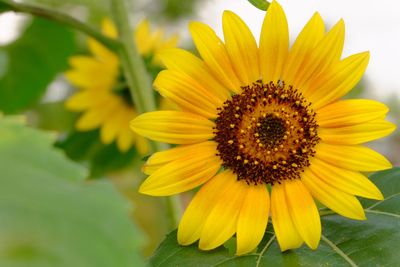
{"x": 259, "y": 118}
{"x": 104, "y": 97}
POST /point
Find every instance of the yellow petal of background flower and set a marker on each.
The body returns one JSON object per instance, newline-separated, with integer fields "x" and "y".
{"x": 285, "y": 231}
{"x": 302, "y": 48}
{"x": 187, "y": 93}
{"x": 351, "y": 182}
{"x": 190, "y": 65}
{"x": 350, "y": 112}
{"x": 337, "y": 81}
{"x": 241, "y": 47}
{"x": 159, "y": 159}
{"x": 340, "y": 202}
{"x": 192, "y": 222}
{"x": 356, "y": 134}
{"x": 221, "y": 223}
{"x": 114, "y": 120}
{"x": 355, "y": 158}
{"x": 274, "y": 43}
{"x": 213, "y": 52}
{"x": 253, "y": 219}
{"x": 173, "y": 127}
{"x": 182, "y": 174}
{"x": 303, "y": 211}
{"x": 324, "y": 55}
{"x": 125, "y": 139}
{"x": 143, "y": 37}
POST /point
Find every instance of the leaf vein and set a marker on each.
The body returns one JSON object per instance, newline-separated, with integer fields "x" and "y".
{"x": 339, "y": 251}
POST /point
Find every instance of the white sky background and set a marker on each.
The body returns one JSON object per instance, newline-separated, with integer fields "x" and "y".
{"x": 370, "y": 26}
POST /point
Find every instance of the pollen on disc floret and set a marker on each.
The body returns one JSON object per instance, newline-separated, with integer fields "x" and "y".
{"x": 267, "y": 133}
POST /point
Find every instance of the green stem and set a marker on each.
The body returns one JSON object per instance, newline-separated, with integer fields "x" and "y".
{"x": 132, "y": 63}
{"x": 139, "y": 83}
{"x": 61, "y": 18}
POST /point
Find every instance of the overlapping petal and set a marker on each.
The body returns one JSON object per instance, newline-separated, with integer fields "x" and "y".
{"x": 342, "y": 203}
{"x": 214, "y": 53}
{"x": 274, "y": 43}
{"x": 173, "y": 127}
{"x": 285, "y": 230}
{"x": 187, "y": 93}
{"x": 352, "y": 157}
{"x": 241, "y": 47}
{"x": 303, "y": 211}
{"x": 253, "y": 218}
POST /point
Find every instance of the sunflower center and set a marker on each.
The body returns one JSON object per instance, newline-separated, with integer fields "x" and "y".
{"x": 267, "y": 133}
{"x": 271, "y": 130}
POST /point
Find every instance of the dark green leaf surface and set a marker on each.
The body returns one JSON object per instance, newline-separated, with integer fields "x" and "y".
{"x": 33, "y": 61}
{"x": 102, "y": 159}
{"x": 345, "y": 242}
{"x": 50, "y": 216}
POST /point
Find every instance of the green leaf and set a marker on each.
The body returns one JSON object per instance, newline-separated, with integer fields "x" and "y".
{"x": 102, "y": 159}
{"x": 34, "y": 60}
{"x": 345, "y": 242}
{"x": 260, "y": 4}
{"x": 50, "y": 216}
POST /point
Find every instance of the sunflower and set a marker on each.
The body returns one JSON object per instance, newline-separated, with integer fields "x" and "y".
{"x": 104, "y": 98}
{"x": 264, "y": 131}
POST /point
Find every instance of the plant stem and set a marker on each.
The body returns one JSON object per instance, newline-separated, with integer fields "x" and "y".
{"x": 61, "y": 18}
{"x": 132, "y": 63}
{"x": 139, "y": 83}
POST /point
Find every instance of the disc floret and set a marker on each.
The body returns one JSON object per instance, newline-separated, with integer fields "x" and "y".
{"x": 267, "y": 133}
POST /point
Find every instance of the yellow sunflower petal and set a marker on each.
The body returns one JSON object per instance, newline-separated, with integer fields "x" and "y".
{"x": 143, "y": 38}
{"x": 303, "y": 47}
{"x": 88, "y": 72}
{"x": 286, "y": 233}
{"x": 213, "y": 52}
{"x": 192, "y": 222}
{"x": 183, "y": 174}
{"x": 242, "y": 48}
{"x": 338, "y": 81}
{"x": 187, "y": 63}
{"x": 159, "y": 159}
{"x": 351, "y": 182}
{"x": 108, "y": 28}
{"x": 96, "y": 115}
{"x": 362, "y": 158}
{"x": 112, "y": 122}
{"x": 101, "y": 52}
{"x": 350, "y": 112}
{"x": 303, "y": 211}
{"x": 356, "y": 134}
{"x": 142, "y": 145}
{"x": 84, "y": 99}
{"x": 340, "y": 202}
{"x": 274, "y": 43}
{"x": 125, "y": 140}
{"x": 221, "y": 223}
{"x": 187, "y": 93}
{"x": 173, "y": 127}
{"x": 324, "y": 55}
{"x": 253, "y": 219}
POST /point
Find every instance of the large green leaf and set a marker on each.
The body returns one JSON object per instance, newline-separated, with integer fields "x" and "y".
{"x": 32, "y": 62}
{"x": 50, "y": 216}
{"x": 374, "y": 242}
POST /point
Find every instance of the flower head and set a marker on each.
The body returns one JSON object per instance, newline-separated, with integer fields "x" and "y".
{"x": 104, "y": 97}
{"x": 263, "y": 116}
